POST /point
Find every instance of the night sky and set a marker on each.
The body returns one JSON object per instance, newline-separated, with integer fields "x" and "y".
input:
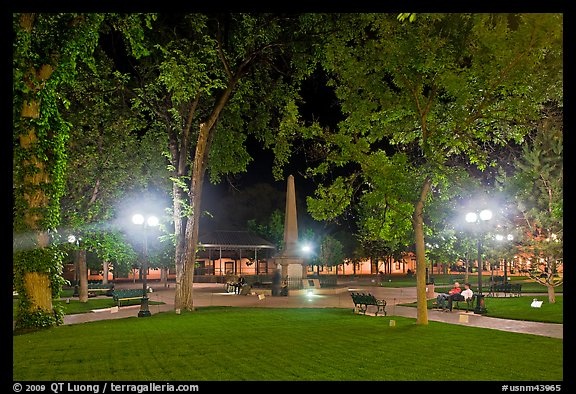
{"x": 227, "y": 198}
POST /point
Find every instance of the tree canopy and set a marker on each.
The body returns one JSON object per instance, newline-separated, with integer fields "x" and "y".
{"x": 440, "y": 92}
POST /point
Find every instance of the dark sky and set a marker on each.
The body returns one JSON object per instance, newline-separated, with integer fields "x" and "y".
{"x": 254, "y": 194}
{"x": 228, "y": 199}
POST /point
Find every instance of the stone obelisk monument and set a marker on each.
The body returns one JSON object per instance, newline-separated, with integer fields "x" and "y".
{"x": 289, "y": 259}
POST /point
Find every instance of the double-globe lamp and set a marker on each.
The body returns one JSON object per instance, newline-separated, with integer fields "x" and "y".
{"x": 150, "y": 221}
{"x": 472, "y": 217}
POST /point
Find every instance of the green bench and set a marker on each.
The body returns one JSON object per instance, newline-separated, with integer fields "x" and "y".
{"x": 507, "y": 288}
{"x": 363, "y": 301}
{"x": 126, "y": 295}
{"x": 101, "y": 288}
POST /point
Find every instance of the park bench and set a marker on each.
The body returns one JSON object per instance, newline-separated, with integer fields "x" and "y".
{"x": 468, "y": 301}
{"x": 106, "y": 288}
{"x": 507, "y": 288}
{"x": 363, "y": 301}
{"x": 456, "y": 303}
{"x": 245, "y": 289}
{"x": 230, "y": 284}
{"x": 126, "y": 295}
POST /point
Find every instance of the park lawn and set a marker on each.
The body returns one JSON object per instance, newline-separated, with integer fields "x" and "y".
{"x": 280, "y": 344}
{"x": 518, "y": 308}
{"x": 75, "y": 306}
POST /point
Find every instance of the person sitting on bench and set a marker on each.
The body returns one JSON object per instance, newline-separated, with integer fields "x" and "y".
{"x": 443, "y": 297}
{"x": 239, "y": 284}
{"x": 284, "y": 288}
{"x": 463, "y": 296}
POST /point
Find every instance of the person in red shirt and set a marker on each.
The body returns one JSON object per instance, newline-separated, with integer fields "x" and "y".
{"x": 443, "y": 297}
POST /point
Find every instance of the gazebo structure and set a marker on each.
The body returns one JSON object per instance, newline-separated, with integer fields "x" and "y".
{"x": 233, "y": 252}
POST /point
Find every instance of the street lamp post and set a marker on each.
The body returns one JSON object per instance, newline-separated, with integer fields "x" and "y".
{"x": 74, "y": 240}
{"x": 151, "y": 221}
{"x": 509, "y": 237}
{"x": 479, "y": 218}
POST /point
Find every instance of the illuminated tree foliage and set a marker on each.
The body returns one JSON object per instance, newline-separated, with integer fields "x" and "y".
{"x": 441, "y": 90}
{"x": 537, "y": 185}
{"x": 46, "y": 51}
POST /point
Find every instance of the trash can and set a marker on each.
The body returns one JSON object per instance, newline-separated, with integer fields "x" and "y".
{"x": 430, "y": 291}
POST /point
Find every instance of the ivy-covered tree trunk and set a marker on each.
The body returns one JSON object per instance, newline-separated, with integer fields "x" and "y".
{"x": 45, "y": 50}
{"x": 33, "y": 264}
{"x": 35, "y": 199}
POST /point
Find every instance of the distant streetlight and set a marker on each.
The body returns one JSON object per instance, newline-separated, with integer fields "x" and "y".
{"x": 151, "y": 221}
{"x": 307, "y": 250}
{"x": 479, "y": 218}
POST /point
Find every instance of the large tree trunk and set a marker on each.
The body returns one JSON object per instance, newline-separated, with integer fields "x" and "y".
{"x": 180, "y": 234}
{"x": 418, "y": 225}
{"x": 105, "y": 269}
{"x": 38, "y": 290}
{"x": 185, "y": 262}
{"x": 37, "y": 284}
{"x": 179, "y": 146}
{"x": 184, "y": 287}
{"x": 164, "y": 276}
{"x": 82, "y": 275}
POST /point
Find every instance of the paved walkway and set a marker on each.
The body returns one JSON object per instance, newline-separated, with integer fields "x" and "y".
{"x": 210, "y": 294}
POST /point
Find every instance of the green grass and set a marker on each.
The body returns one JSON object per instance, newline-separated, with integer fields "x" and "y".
{"x": 75, "y": 306}
{"x": 266, "y": 344}
{"x": 518, "y": 308}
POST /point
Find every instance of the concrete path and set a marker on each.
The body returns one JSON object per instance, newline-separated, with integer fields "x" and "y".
{"x": 211, "y": 294}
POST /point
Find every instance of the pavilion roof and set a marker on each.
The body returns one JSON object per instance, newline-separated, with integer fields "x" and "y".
{"x": 233, "y": 240}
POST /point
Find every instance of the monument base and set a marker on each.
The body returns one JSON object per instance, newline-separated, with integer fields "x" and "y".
{"x": 294, "y": 272}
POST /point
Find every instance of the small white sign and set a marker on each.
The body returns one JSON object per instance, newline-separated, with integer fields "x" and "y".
{"x": 536, "y": 304}
{"x": 114, "y": 309}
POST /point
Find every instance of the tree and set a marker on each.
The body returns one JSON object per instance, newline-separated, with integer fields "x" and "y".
{"x": 271, "y": 230}
{"x": 331, "y": 252}
{"x": 41, "y": 63}
{"x": 106, "y": 159}
{"x": 46, "y": 51}
{"x": 210, "y": 81}
{"x": 443, "y": 90}
{"x": 537, "y": 185}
